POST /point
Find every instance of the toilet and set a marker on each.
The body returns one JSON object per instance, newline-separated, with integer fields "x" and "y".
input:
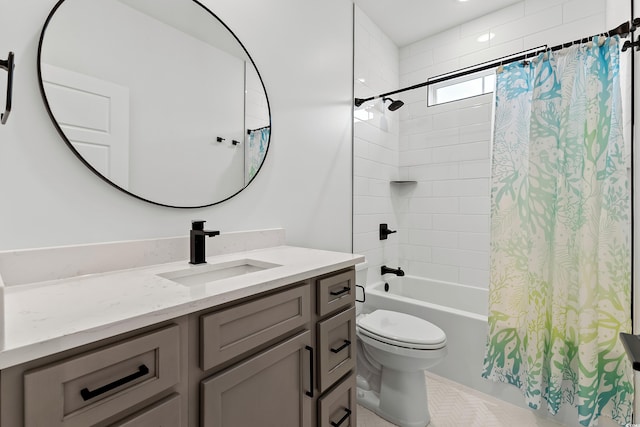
{"x": 393, "y": 351}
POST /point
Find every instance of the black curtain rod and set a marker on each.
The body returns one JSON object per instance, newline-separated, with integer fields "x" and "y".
{"x": 622, "y": 30}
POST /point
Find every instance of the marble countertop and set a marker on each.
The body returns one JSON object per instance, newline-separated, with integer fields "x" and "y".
{"x": 51, "y": 316}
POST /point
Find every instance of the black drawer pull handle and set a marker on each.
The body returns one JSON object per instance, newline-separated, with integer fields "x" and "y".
{"x": 87, "y": 394}
{"x": 343, "y": 419}
{"x": 346, "y": 344}
{"x": 344, "y": 290}
{"x": 310, "y": 349}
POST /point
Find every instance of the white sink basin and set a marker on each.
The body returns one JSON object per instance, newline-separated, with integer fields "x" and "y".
{"x": 205, "y": 273}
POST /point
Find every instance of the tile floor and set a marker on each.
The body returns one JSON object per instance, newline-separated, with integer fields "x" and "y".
{"x": 454, "y": 405}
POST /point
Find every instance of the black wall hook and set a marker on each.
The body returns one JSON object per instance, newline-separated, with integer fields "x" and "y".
{"x": 7, "y": 65}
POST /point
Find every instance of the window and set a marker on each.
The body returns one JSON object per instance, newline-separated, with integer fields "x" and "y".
{"x": 462, "y": 87}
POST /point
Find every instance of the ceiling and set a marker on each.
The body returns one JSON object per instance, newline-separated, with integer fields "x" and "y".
{"x": 407, "y": 21}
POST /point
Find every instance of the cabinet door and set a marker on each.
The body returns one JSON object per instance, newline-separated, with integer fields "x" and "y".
{"x": 267, "y": 390}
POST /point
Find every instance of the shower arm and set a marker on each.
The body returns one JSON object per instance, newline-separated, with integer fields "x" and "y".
{"x": 622, "y": 30}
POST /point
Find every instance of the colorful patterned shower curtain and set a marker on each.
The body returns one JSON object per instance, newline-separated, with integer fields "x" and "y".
{"x": 255, "y": 150}
{"x": 560, "y": 234}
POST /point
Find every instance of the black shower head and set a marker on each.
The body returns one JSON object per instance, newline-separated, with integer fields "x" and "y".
{"x": 394, "y": 104}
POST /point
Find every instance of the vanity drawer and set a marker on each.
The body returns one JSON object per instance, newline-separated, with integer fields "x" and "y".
{"x": 335, "y": 292}
{"x": 336, "y": 347}
{"x": 90, "y": 388}
{"x": 163, "y": 414}
{"x": 337, "y": 408}
{"x": 237, "y": 330}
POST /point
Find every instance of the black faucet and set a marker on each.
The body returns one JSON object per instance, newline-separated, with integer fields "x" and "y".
{"x": 197, "y": 235}
{"x": 397, "y": 271}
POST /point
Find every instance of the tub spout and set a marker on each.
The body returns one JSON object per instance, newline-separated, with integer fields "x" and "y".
{"x": 397, "y": 271}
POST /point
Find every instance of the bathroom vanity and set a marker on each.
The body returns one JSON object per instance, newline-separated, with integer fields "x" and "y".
{"x": 254, "y": 337}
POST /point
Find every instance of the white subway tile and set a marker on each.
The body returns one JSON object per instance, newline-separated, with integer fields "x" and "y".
{"x": 379, "y": 188}
{"x": 462, "y": 187}
{"x": 461, "y": 152}
{"x": 415, "y": 157}
{"x": 461, "y": 223}
{"x": 436, "y": 138}
{"x": 466, "y": 116}
{"x": 475, "y": 169}
{"x": 415, "y": 253}
{"x": 460, "y": 258}
{"x": 474, "y": 241}
{"x": 360, "y": 186}
{"x": 476, "y": 133}
{"x": 417, "y": 125}
{"x": 486, "y": 22}
{"x": 577, "y": 9}
{"x": 420, "y": 189}
{"x": 475, "y": 205}
{"x": 568, "y": 32}
{"x": 417, "y": 62}
{"x": 436, "y": 172}
{"x": 493, "y": 52}
{"x": 365, "y": 242}
{"x": 474, "y": 277}
{"x": 434, "y": 205}
{"x": 433, "y": 238}
{"x": 529, "y": 24}
{"x": 418, "y": 221}
{"x": 532, "y": 7}
{"x": 446, "y": 273}
{"x": 434, "y": 41}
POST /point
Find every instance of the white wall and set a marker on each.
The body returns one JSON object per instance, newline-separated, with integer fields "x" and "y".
{"x": 376, "y": 136}
{"x": 446, "y": 148}
{"x": 304, "y": 53}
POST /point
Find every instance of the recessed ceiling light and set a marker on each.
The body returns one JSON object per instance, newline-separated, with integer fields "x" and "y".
{"x": 462, "y": 1}
{"x": 361, "y": 80}
{"x": 486, "y": 37}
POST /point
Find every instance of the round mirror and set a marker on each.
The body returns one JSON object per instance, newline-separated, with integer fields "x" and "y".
{"x": 159, "y": 98}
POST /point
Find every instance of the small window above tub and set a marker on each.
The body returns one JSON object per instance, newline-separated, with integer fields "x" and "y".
{"x": 463, "y": 87}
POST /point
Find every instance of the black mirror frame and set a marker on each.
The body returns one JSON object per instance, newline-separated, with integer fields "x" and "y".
{"x": 87, "y": 164}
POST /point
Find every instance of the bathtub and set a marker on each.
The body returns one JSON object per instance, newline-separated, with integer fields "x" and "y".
{"x": 461, "y": 312}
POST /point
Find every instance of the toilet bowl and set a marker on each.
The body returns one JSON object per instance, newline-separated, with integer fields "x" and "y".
{"x": 393, "y": 351}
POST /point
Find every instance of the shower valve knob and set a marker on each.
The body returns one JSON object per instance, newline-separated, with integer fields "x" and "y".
{"x": 384, "y": 231}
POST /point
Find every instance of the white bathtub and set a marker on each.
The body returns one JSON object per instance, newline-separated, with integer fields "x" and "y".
{"x": 461, "y": 312}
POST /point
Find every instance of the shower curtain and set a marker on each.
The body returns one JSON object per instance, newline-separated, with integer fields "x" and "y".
{"x": 255, "y": 150}
{"x": 560, "y": 278}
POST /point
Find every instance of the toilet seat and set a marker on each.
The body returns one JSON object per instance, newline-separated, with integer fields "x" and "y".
{"x": 402, "y": 330}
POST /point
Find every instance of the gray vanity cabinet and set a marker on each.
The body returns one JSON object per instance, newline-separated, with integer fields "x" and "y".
{"x": 269, "y": 389}
{"x": 283, "y": 358}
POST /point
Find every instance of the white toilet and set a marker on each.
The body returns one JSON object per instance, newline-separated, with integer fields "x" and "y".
{"x": 393, "y": 351}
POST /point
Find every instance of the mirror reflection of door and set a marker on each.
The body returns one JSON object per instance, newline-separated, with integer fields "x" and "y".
{"x": 193, "y": 92}
{"x": 94, "y": 115}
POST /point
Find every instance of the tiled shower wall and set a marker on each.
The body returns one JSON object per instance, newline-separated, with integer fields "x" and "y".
{"x": 376, "y": 136}
{"x": 444, "y": 218}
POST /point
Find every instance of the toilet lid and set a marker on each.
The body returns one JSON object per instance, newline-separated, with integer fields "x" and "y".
{"x": 402, "y": 328}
